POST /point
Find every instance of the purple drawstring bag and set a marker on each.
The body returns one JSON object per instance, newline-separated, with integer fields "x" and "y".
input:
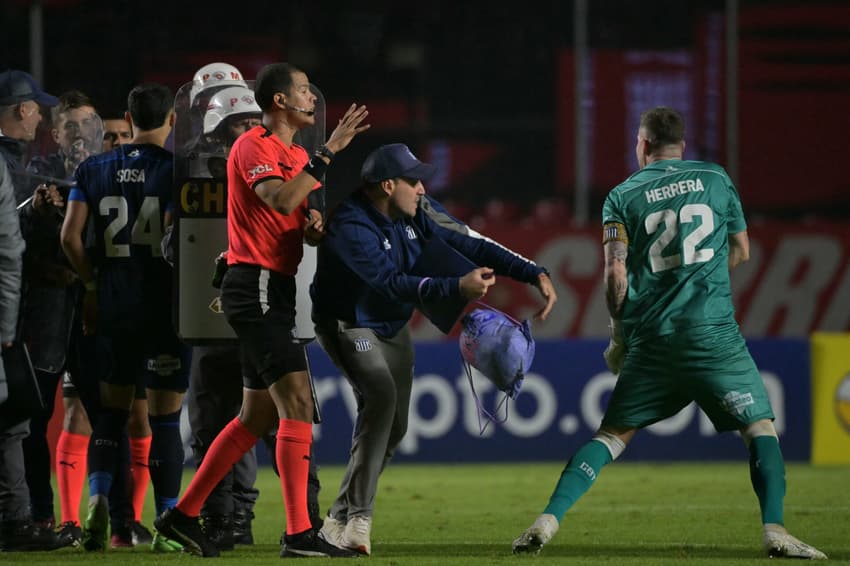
{"x": 501, "y": 348}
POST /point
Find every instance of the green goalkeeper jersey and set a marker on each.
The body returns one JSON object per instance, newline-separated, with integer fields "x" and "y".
{"x": 678, "y": 216}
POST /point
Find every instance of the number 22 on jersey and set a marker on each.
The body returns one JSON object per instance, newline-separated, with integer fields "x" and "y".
{"x": 672, "y": 225}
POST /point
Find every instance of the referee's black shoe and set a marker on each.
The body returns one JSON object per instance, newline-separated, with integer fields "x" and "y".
{"x": 219, "y": 529}
{"x": 311, "y": 543}
{"x": 187, "y": 531}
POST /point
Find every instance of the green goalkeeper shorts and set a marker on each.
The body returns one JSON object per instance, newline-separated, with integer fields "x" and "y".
{"x": 708, "y": 364}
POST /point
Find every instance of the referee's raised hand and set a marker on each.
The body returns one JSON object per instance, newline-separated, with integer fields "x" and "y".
{"x": 348, "y": 127}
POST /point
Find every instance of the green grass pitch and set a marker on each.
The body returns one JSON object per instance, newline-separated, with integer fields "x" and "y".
{"x": 641, "y": 514}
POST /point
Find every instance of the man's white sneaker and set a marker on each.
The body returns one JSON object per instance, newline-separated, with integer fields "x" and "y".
{"x": 357, "y": 534}
{"x": 332, "y": 530}
{"x": 779, "y": 543}
{"x": 538, "y": 534}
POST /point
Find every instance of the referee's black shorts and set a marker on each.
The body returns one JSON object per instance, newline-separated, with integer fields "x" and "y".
{"x": 260, "y": 306}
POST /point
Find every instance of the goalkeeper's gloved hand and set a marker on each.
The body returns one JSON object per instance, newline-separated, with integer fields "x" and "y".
{"x": 615, "y": 353}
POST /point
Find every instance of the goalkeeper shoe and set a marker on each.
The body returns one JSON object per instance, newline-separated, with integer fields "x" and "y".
{"x": 779, "y": 543}
{"x": 535, "y": 536}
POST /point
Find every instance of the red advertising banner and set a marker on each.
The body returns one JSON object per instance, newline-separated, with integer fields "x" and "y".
{"x": 791, "y": 135}
{"x": 796, "y": 282}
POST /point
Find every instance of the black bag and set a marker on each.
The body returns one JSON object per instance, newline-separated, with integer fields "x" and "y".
{"x": 24, "y": 399}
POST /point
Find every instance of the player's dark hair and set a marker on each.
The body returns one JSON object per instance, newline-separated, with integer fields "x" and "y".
{"x": 69, "y": 101}
{"x": 273, "y": 78}
{"x": 664, "y": 126}
{"x": 149, "y": 105}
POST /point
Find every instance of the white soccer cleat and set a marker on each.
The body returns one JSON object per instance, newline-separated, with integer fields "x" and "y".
{"x": 780, "y": 544}
{"x": 357, "y": 534}
{"x": 332, "y": 531}
{"x": 538, "y": 534}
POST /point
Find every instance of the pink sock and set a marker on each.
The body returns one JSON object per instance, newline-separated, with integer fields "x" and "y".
{"x": 71, "y": 453}
{"x": 292, "y": 454}
{"x": 140, "y": 449}
{"x": 230, "y": 445}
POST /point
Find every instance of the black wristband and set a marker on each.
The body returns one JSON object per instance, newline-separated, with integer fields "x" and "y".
{"x": 316, "y": 168}
{"x": 324, "y": 151}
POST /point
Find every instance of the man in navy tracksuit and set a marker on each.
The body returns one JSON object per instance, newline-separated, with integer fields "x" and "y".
{"x": 363, "y": 297}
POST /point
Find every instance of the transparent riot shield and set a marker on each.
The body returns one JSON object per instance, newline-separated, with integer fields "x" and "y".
{"x": 48, "y": 301}
{"x": 200, "y": 225}
{"x": 57, "y": 152}
{"x": 310, "y": 139}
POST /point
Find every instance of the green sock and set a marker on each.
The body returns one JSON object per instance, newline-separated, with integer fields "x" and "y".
{"x": 577, "y": 477}
{"x": 767, "y": 473}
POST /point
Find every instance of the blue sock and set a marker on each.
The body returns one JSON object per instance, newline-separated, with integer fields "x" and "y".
{"x": 100, "y": 483}
{"x": 166, "y": 460}
{"x": 767, "y": 474}
{"x": 577, "y": 477}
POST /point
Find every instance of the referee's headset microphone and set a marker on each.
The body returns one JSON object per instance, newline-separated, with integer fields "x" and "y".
{"x": 299, "y": 109}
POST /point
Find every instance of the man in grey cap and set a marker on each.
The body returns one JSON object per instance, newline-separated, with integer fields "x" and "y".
{"x": 20, "y": 115}
{"x": 367, "y": 283}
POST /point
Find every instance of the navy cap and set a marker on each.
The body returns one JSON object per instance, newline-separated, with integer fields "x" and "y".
{"x": 392, "y": 161}
{"x": 18, "y": 86}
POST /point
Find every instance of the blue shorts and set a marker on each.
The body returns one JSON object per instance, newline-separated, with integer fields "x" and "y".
{"x": 151, "y": 355}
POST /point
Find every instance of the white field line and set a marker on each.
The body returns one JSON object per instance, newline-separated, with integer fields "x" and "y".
{"x": 672, "y": 507}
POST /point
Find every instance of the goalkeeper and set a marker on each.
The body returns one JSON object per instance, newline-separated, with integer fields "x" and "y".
{"x": 671, "y": 233}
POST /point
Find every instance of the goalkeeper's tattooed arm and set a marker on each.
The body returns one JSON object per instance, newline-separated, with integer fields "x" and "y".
{"x": 615, "y": 242}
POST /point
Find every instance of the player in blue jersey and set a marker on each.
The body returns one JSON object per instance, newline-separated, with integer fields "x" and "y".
{"x": 671, "y": 233}
{"x": 51, "y": 327}
{"x": 126, "y": 196}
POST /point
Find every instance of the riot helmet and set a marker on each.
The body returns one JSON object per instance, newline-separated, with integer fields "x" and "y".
{"x": 211, "y": 78}
{"x": 228, "y": 105}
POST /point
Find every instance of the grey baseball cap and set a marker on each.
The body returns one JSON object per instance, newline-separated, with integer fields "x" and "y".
{"x": 18, "y": 86}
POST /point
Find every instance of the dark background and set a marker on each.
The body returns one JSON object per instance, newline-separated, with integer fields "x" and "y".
{"x": 485, "y": 90}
